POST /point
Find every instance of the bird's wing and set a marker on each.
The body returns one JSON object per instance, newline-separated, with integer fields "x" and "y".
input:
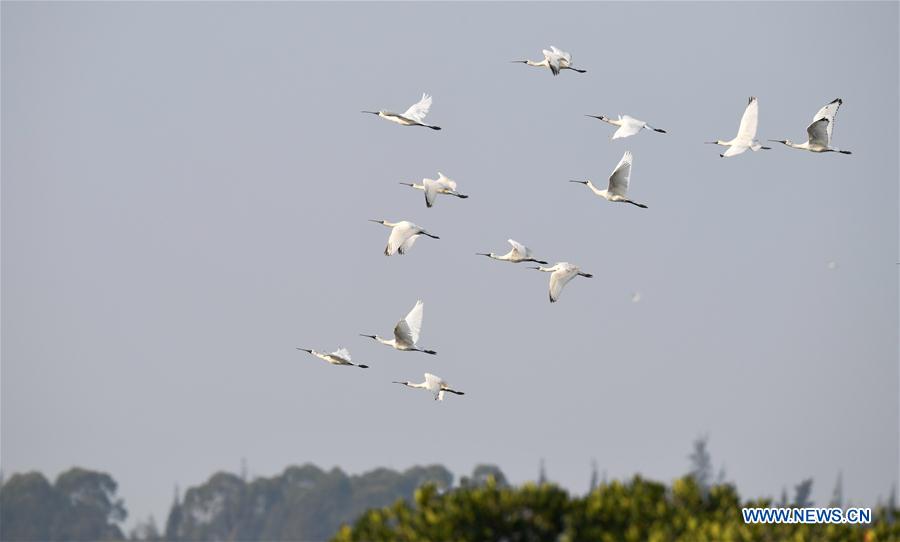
{"x": 735, "y": 150}
{"x": 561, "y": 54}
{"x": 418, "y": 111}
{"x": 519, "y": 250}
{"x": 434, "y": 384}
{"x": 431, "y": 190}
{"x": 828, "y": 113}
{"x": 547, "y": 54}
{"x": 397, "y": 240}
{"x": 618, "y": 181}
{"x": 819, "y": 132}
{"x": 628, "y": 128}
{"x": 747, "y": 130}
{"x": 408, "y": 329}
{"x": 558, "y": 279}
{"x": 404, "y": 248}
{"x": 342, "y": 353}
{"x": 446, "y": 182}
{"x": 553, "y": 61}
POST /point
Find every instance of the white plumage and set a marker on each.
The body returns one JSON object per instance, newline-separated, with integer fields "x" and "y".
{"x": 414, "y": 116}
{"x": 435, "y": 384}
{"x": 341, "y": 356}
{"x": 403, "y": 236}
{"x": 617, "y": 189}
{"x": 627, "y": 126}
{"x": 746, "y": 136}
{"x": 555, "y": 59}
{"x": 562, "y": 273}
{"x": 819, "y": 131}
{"x": 406, "y": 332}
{"x": 518, "y": 253}
{"x": 433, "y": 187}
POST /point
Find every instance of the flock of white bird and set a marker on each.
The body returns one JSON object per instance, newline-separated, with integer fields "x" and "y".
{"x": 404, "y": 233}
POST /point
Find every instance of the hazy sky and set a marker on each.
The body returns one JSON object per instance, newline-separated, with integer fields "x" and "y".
{"x": 185, "y": 195}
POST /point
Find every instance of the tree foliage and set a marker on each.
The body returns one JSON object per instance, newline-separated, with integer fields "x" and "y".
{"x": 302, "y": 503}
{"x": 638, "y": 510}
{"x": 80, "y": 505}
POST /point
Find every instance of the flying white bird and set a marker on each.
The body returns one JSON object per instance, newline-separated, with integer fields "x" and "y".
{"x": 628, "y": 126}
{"x": 406, "y": 332}
{"x": 435, "y": 384}
{"x": 618, "y": 183}
{"x": 746, "y": 136}
{"x": 431, "y": 187}
{"x": 403, "y": 235}
{"x": 414, "y": 116}
{"x": 819, "y": 132}
{"x": 562, "y": 273}
{"x": 518, "y": 253}
{"x": 341, "y": 356}
{"x": 554, "y": 59}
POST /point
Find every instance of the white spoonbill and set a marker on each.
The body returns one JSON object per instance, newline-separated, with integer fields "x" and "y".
{"x": 403, "y": 235}
{"x": 518, "y": 253}
{"x": 554, "y": 59}
{"x": 819, "y": 132}
{"x": 562, "y": 273}
{"x": 341, "y": 356}
{"x": 746, "y": 136}
{"x": 406, "y": 332}
{"x": 628, "y": 126}
{"x": 435, "y": 384}
{"x": 618, "y": 183}
{"x": 414, "y": 116}
{"x": 432, "y": 187}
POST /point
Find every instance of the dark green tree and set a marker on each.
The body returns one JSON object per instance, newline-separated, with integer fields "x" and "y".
{"x": 837, "y": 495}
{"x": 28, "y": 507}
{"x": 174, "y": 519}
{"x": 91, "y": 509}
{"x": 802, "y": 493}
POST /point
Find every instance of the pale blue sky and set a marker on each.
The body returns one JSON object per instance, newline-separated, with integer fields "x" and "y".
{"x": 184, "y": 201}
